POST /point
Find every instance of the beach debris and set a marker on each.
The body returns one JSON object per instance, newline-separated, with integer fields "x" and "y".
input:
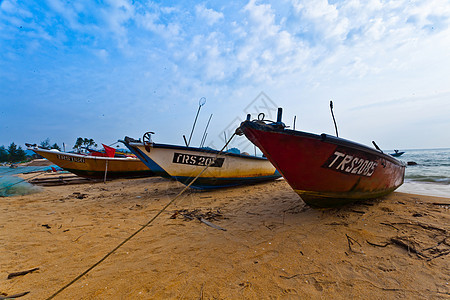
{"x": 386, "y": 209}
{"x": 75, "y": 240}
{"x": 295, "y": 275}
{"x": 424, "y": 226}
{"x": 438, "y": 250}
{"x": 14, "y": 296}
{"x": 407, "y": 245}
{"x": 351, "y": 241}
{"x": 79, "y": 195}
{"x": 270, "y": 226}
{"x": 212, "y": 225}
{"x": 388, "y": 224}
{"x": 136, "y": 206}
{"x": 252, "y": 213}
{"x": 444, "y": 205}
{"x": 338, "y": 223}
{"x": 414, "y": 245}
{"x": 202, "y": 217}
{"x": 46, "y": 226}
{"x": 21, "y": 273}
{"x": 377, "y": 245}
{"x": 245, "y": 284}
{"x": 197, "y": 213}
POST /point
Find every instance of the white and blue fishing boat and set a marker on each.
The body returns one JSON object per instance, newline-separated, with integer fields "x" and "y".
{"x": 397, "y": 153}
{"x": 185, "y": 163}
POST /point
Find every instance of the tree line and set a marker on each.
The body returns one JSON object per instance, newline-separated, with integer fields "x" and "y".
{"x": 14, "y": 153}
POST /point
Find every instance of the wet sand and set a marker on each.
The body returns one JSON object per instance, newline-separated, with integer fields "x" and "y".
{"x": 272, "y": 245}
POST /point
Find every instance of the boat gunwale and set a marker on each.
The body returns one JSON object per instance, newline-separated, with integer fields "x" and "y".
{"x": 208, "y": 151}
{"x": 328, "y": 138}
{"x": 85, "y": 156}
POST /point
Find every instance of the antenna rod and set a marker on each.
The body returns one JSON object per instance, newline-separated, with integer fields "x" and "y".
{"x": 225, "y": 135}
{"x": 376, "y": 146}
{"x": 201, "y": 102}
{"x": 204, "y": 140}
{"x": 295, "y": 118}
{"x": 204, "y": 133}
{"x": 334, "y": 120}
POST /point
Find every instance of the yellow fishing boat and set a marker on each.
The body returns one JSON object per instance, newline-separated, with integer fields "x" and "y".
{"x": 95, "y": 165}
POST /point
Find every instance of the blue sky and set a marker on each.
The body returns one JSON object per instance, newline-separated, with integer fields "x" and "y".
{"x": 105, "y": 70}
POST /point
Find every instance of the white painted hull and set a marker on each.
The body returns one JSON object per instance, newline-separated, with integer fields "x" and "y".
{"x": 186, "y": 163}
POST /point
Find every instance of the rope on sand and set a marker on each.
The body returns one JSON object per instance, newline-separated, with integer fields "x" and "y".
{"x": 142, "y": 227}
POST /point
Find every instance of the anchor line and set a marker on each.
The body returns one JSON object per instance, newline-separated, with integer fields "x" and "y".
{"x": 142, "y": 227}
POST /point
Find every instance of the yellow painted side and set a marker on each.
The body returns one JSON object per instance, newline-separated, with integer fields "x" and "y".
{"x": 92, "y": 163}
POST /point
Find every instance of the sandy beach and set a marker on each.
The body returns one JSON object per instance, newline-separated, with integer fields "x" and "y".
{"x": 263, "y": 243}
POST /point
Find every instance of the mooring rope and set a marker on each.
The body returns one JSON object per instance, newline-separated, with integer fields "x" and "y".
{"x": 142, "y": 227}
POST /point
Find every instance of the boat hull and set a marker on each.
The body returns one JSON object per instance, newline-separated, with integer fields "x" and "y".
{"x": 397, "y": 154}
{"x": 324, "y": 170}
{"x": 186, "y": 163}
{"x": 94, "y": 166}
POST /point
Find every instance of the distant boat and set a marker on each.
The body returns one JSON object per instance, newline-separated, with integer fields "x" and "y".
{"x": 325, "y": 170}
{"x": 96, "y": 164}
{"x": 397, "y": 153}
{"x": 185, "y": 163}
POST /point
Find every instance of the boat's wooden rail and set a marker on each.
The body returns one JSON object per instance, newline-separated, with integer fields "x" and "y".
{"x": 61, "y": 180}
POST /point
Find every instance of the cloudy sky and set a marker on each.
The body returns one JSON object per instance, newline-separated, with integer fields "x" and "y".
{"x": 105, "y": 70}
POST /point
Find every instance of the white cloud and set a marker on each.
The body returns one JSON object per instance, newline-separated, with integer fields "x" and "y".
{"x": 116, "y": 16}
{"x": 101, "y": 53}
{"x": 65, "y": 10}
{"x": 211, "y": 16}
{"x": 262, "y": 19}
{"x": 151, "y": 21}
{"x": 361, "y": 51}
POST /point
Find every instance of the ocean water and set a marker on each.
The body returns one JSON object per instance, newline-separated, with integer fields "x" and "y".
{"x": 431, "y": 175}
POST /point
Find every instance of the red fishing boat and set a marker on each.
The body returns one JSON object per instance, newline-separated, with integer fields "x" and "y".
{"x": 324, "y": 170}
